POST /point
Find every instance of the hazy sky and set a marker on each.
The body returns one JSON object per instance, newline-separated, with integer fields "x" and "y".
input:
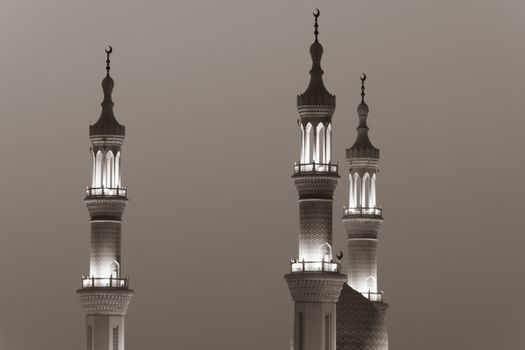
{"x": 207, "y": 91}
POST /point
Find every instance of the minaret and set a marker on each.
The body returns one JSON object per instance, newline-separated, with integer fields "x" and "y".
{"x": 105, "y": 293}
{"x": 315, "y": 281}
{"x": 361, "y": 309}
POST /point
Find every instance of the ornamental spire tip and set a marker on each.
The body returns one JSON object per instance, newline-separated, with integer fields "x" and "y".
{"x": 108, "y": 52}
{"x": 316, "y": 25}
{"x": 363, "y": 78}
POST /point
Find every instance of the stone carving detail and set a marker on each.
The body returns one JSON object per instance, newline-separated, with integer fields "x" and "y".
{"x": 360, "y": 322}
{"x": 316, "y": 110}
{"x": 100, "y": 301}
{"x": 106, "y": 208}
{"x": 315, "y": 226}
{"x": 105, "y": 246}
{"x": 315, "y": 287}
{"x": 362, "y": 264}
{"x": 361, "y": 227}
{"x": 316, "y": 186}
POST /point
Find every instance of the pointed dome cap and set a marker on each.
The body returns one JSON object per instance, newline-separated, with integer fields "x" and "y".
{"x": 107, "y": 124}
{"x": 362, "y": 147}
{"x": 316, "y": 93}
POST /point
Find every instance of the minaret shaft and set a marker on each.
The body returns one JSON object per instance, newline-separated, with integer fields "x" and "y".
{"x": 315, "y": 281}
{"x": 360, "y": 309}
{"x": 105, "y": 294}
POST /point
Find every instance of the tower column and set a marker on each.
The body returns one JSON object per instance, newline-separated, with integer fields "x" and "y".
{"x": 315, "y": 281}
{"x": 105, "y": 294}
{"x": 360, "y": 309}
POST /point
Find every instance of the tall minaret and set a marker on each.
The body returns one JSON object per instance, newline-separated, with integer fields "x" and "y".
{"x": 105, "y": 293}
{"x": 361, "y": 309}
{"x": 315, "y": 281}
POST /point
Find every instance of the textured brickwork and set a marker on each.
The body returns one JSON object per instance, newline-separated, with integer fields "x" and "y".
{"x": 315, "y": 287}
{"x": 105, "y": 301}
{"x": 315, "y": 227}
{"x": 316, "y": 186}
{"x": 362, "y": 264}
{"x": 361, "y": 227}
{"x": 106, "y": 209}
{"x": 105, "y": 247}
{"x": 360, "y": 322}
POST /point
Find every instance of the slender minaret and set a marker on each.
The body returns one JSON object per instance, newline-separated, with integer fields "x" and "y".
{"x": 315, "y": 281}
{"x": 105, "y": 293}
{"x": 361, "y": 309}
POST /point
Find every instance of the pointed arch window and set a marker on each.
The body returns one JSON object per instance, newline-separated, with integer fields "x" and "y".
{"x": 320, "y": 144}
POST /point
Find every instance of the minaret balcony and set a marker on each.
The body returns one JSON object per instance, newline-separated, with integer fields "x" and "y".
{"x": 373, "y": 296}
{"x": 363, "y": 211}
{"x": 314, "y": 168}
{"x": 117, "y": 192}
{"x": 314, "y": 266}
{"x": 103, "y": 282}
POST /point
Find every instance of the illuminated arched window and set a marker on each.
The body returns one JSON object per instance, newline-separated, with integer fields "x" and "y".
{"x": 98, "y": 169}
{"x": 320, "y": 144}
{"x": 117, "y": 171}
{"x": 326, "y": 251}
{"x": 93, "y": 183}
{"x": 351, "y": 196}
{"x": 114, "y": 268}
{"x": 302, "y": 143}
{"x": 373, "y": 199}
{"x": 357, "y": 190}
{"x": 109, "y": 170}
{"x": 328, "y": 157}
{"x": 365, "y": 196}
{"x": 309, "y": 144}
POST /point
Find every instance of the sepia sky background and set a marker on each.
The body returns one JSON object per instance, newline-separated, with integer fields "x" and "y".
{"x": 207, "y": 91}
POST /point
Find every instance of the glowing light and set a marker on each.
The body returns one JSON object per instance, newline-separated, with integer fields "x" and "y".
{"x": 314, "y": 266}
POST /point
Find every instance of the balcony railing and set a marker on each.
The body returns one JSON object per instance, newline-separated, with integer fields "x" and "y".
{"x": 103, "y": 282}
{"x": 316, "y": 168}
{"x": 360, "y": 211}
{"x": 314, "y": 266}
{"x": 107, "y": 192}
{"x": 374, "y": 296}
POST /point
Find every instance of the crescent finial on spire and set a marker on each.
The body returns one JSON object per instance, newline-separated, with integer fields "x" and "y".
{"x": 363, "y": 78}
{"x": 108, "y": 52}
{"x": 316, "y": 25}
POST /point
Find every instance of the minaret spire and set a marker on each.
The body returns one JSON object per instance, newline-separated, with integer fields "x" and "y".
{"x": 315, "y": 280}
{"x": 105, "y": 293}
{"x": 316, "y": 93}
{"x": 317, "y": 13}
{"x": 363, "y": 78}
{"x": 360, "y": 309}
{"x": 107, "y": 123}
{"x": 108, "y": 61}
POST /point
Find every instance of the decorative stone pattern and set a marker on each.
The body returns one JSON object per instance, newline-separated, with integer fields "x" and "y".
{"x": 105, "y": 140}
{"x": 356, "y": 163}
{"x": 316, "y": 228}
{"x": 102, "y": 301}
{"x": 316, "y": 186}
{"x": 105, "y": 247}
{"x": 315, "y": 287}
{"x": 317, "y": 110}
{"x": 360, "y": 322}
{"x": 361, "y": 227}
{"x": 362, "y": 264}
{"x": 106, "y": 208}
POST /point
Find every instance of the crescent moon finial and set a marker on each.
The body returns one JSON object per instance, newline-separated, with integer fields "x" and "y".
{"x": 363, "y": 78}
{"x": 339, "y": 255}
{"x": 316, "y": 25}
{"x": 108, "y": 52}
